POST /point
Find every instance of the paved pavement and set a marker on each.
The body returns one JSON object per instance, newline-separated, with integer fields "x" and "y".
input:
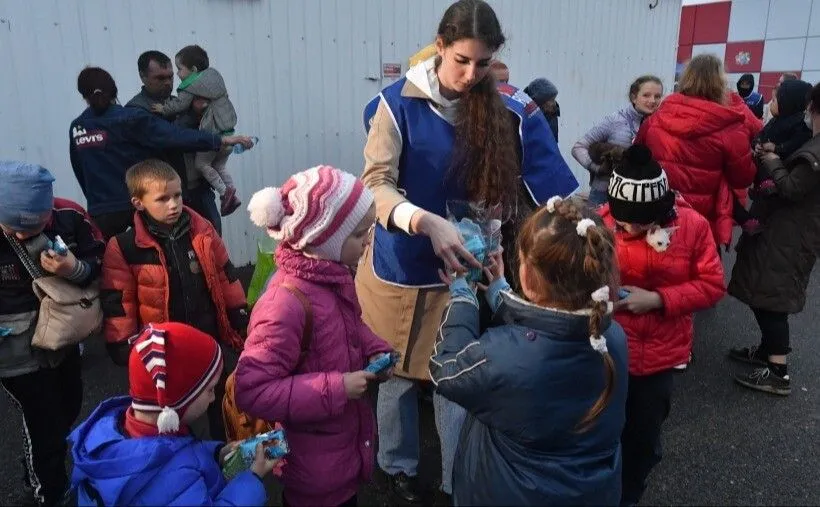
{"x": 724, "y": 445}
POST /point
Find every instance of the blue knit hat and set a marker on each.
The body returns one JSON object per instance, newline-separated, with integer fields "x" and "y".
{"x": 28, "y": 194}
{"x": 541, "y": 90}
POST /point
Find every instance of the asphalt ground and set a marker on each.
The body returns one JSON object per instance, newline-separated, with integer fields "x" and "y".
{"x": 723, "y": 445}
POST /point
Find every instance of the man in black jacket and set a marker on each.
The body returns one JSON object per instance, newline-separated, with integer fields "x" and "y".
{"x": 157, "y": 74}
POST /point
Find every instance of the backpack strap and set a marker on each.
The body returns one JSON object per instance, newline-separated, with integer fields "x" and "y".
{"x": 307, "y": 331}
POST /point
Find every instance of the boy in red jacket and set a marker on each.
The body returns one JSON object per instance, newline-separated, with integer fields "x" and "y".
{"x": 171, "y": 266}
{"x": 669, "y": 270}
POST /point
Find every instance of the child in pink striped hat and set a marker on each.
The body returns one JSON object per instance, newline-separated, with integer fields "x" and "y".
{"x": 307, "y": 347}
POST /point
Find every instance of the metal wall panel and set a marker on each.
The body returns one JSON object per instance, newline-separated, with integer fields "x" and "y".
{"x": 299, "y": 71}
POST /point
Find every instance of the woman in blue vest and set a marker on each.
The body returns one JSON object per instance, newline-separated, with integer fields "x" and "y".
{"x": 446, "y": 131}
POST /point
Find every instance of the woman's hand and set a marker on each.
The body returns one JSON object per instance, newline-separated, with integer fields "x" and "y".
{"x": 768, "y": 147}
{"x": 56, "y": 264}
{"x": 447, "y": 242}
{"x": 261, "y": 464}
{"x": 639, "y": 301}
{"x": 245, "y": 141}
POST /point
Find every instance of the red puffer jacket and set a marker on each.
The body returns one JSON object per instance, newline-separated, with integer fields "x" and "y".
{"x": 135, "y": 289}
{"x": 705, "y": 149}
{"x": 688, "y": 276}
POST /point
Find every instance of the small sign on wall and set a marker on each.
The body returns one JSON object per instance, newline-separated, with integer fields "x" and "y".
{"x": 391, "y": 70}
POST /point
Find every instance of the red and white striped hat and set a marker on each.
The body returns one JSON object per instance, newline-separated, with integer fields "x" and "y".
{"x": 317, "y": 208}
{"x": 170, "y": 365}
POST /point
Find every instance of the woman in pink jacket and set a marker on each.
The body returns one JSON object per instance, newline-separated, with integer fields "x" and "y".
{"x": 316, "y": 387}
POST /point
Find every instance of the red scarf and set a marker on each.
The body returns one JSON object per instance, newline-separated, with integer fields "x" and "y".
{"x": 135, "y": 428}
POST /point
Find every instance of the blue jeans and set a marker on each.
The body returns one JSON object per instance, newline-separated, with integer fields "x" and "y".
{"x": 398, "y": 417}
{"x": 201, "y": 200}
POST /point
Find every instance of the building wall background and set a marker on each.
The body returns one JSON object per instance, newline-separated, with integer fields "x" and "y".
{"x": 762, "y": 37}
{"x": 300, "y": 71}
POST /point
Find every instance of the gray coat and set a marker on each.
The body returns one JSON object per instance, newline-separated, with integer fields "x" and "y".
{"x": 220, "y": 116}
{"x": 773, "y": 268}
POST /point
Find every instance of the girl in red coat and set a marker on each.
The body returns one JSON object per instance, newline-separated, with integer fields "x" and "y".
{"x": 703, "y": 141}
{"x": 669, "y": 269}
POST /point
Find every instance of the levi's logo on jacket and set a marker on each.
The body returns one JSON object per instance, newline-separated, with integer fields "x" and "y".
{"x": 88, "y": 139}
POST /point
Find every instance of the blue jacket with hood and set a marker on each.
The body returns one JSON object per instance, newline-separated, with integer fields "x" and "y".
{"x": 113, "y": 469}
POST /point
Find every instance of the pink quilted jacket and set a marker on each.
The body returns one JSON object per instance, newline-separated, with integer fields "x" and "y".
{"x": 331, "y": 438}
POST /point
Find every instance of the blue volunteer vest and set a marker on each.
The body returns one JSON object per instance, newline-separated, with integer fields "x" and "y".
{"x": 427, "y": 145}
{"x": 751, "y": 100}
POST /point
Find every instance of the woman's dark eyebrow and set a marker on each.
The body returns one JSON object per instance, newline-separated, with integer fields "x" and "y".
{"x": 459, "y": 55}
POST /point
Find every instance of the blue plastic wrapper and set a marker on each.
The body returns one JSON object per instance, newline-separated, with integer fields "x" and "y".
{"x": 241, "y": 458}
{"x": 480, "y": 228}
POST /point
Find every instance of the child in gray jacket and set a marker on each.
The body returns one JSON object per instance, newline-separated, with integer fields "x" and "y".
{"x": 198, "y": 79}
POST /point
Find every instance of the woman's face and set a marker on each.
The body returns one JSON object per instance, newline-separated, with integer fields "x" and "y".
{"x": 648, "y": 98}
{"x": 463, "y": 64}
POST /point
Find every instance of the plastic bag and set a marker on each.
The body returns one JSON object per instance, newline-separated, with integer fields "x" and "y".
{"x": 480, "y": 228}
{"x": 264, "y": 269}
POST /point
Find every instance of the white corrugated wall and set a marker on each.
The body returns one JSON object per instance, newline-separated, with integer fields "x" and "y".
{"x": 299, "y": 71}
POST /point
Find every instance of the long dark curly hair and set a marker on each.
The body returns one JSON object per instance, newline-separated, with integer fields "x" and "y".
{"x": 485, "y": 156}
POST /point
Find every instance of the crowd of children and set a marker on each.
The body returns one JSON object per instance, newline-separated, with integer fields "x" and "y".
{"x": 565, "y": 386}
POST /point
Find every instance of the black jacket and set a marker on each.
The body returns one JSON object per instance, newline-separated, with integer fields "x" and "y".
{"x": 773, "y": 268}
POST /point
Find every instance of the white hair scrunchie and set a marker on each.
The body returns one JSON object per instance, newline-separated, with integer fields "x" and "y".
{"x": 598, "y": 344}
{"x": 583, "y": 225}
{"x": 601, "y": 295}
{"x": 552, "y": 201}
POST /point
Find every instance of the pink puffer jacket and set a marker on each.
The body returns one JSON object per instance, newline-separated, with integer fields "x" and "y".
{"x": 331, "y": 438}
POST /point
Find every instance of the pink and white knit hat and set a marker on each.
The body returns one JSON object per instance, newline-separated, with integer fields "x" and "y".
{"x": 316, "y": 208}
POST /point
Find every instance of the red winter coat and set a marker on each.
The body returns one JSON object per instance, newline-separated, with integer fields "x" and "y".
{"x": 688, "y": 276}
{"x": 705, "y": 149}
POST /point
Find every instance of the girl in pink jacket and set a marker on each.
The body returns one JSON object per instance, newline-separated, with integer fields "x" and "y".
{"x": 322, "y": 218}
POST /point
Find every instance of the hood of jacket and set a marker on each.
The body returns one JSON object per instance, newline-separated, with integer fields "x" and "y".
{"x": 110, "y": 460}
{"x": 208, "y": 84}
{"x": 515, "y": 310}
{"x": 692, "y": 117}
{"x": 746, "y": 78}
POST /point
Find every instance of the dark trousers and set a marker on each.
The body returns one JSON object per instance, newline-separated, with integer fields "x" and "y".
{"x": 50, "y": 401}
{"x": 201, "y": 200}
{"x": 648, "y": 401}
{"x": 111, "y": 224}
{"x": 351, "y": 502}
{"x": 774, "y": 327}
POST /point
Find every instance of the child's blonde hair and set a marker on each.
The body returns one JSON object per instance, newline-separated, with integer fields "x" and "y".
{"x": 148, "y": 171}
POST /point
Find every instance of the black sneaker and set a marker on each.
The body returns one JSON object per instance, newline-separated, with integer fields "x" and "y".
{"x": 764, "y": 379}
{"x": 749, "y": 355}
{"x": 405, "y": 487}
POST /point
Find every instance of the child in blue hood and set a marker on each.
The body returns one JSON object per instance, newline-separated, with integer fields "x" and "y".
{"x": 138, "y": 450}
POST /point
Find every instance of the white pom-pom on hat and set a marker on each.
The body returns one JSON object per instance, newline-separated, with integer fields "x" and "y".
{"x": 601, "y": 295}
{"x": 552, "y": 201}
{"x": 266, "y": 208}
{"x": 168, "y": 421}
{"x": 583, "y": 225}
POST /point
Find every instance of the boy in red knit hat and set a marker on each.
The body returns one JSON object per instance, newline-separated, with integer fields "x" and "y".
{"x": 138, "y": 449}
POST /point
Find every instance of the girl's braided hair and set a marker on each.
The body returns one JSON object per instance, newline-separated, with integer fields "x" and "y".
{"x": 570, "y": 263}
